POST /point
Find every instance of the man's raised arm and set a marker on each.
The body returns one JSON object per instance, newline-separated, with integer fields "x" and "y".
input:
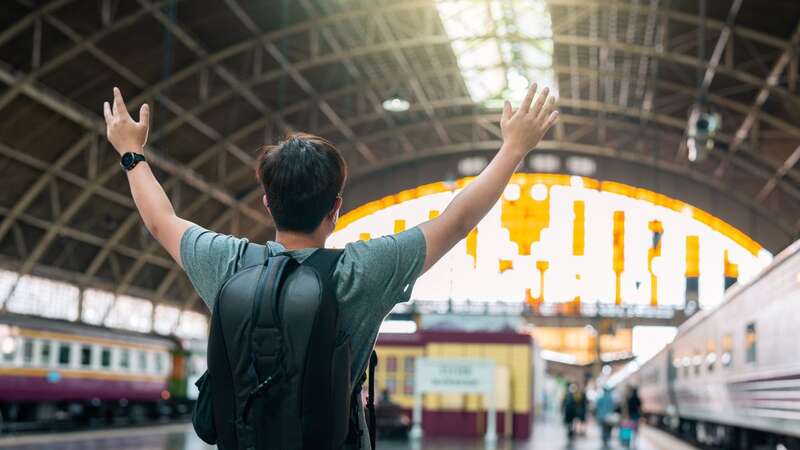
{"x": 522, "y": 131}
{"x": 126, "y": 135}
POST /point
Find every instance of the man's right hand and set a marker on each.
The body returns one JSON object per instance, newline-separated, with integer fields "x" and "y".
{"x": 523, "y": 129}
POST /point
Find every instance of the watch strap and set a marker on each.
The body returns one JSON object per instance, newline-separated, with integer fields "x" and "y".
{"x": 137, "y": 158}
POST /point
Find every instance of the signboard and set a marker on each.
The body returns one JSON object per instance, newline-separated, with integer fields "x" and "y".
{"x": 455, "y": 375}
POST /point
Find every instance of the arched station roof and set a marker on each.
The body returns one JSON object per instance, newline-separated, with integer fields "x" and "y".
{"x": 224, "y": 77}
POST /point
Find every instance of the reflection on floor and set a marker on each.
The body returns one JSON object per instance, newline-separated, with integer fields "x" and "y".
{"x": 547, "y": 434}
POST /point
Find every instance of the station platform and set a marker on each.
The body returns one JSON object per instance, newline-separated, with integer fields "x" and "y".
{"x": 547, "y": 434}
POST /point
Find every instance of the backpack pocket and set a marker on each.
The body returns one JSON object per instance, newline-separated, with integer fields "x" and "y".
{"x": 340, "y": 386}
{"x": 203, "y": 413}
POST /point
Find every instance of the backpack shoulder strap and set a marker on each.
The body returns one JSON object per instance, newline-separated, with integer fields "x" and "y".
{"x": 324, "y": 261}
{"x": 373, "y": 361}
{"x": 253, "y": 255}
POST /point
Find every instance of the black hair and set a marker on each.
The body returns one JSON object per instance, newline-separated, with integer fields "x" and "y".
{"x": 302, "y": 176}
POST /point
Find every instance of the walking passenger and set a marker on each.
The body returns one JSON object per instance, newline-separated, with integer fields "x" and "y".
{"x": 569, "y": 409}
{"x": 250, "y": 396}
{"x": 580, "y": 411}
{"x": 606, "y": 417}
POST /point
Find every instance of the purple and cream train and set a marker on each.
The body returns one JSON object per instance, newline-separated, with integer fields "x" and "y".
{"x": 731, "y": 377}
{"x": 60, "y": 371}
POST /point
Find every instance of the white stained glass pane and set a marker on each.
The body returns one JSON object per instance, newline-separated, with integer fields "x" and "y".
{"x": 131, "y": 313}
{"x": 42, "y": 297}
{"x": 480, "y": 53}
{"x": 507, "y": 35}
{"x": 464, "y": 19}
{"x": 95, "y": 305}
{"x": 166, "y": 317}
{"x": 192, "y": 325}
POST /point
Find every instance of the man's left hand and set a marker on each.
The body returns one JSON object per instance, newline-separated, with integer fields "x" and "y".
{"x": 123, "y": 132}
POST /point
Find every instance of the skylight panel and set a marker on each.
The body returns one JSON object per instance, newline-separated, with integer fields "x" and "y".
{"x": 501, "y": 46}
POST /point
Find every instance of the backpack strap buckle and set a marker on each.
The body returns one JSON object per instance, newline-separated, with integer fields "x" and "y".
{"x": 259, "y": 390}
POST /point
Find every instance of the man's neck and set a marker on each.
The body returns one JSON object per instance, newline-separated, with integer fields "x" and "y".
{"x": 293, "y": 240}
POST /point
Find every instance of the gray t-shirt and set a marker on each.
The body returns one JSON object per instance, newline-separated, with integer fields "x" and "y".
{"x": 371, "y": 277}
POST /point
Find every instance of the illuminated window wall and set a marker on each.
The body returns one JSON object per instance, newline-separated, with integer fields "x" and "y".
{"x": 59, "y": 300}
{"x": 560, "y": 239}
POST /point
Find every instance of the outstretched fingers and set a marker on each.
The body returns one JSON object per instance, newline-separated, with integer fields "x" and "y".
{"x": 551, "y": 119}
{"x": 549, "y": 107}
{"x": 144, "y": 115}
{"x": 107, "y": 111}
{"x": 119, "y": 103}
{"x": 526, "y": 102}
{"x": 537, "y": 107}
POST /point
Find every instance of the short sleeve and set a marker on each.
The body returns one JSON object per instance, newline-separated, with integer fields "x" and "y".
{"x": 383, "y": 270}
{"x": 209, "y": 258}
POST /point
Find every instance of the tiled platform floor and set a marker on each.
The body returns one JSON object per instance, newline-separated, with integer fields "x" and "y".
{"x": 547, "y": 435}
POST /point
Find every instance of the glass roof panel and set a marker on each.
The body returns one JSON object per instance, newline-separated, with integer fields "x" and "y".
{"x": 501, "y": 46}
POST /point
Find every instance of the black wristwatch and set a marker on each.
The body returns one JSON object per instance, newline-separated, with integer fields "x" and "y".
{"x": 129, "y": 160}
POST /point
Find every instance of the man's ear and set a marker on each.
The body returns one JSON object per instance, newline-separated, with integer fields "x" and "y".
{"x": 337, "y": 205}
{"x": 265, "y": 202}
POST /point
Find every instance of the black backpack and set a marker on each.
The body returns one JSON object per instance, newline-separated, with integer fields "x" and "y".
{"x": 278, "y": 364}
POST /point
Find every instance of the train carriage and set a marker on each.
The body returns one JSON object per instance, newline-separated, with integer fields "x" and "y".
{"x": 731, "y": 377}
{"x": 61, "y": 371}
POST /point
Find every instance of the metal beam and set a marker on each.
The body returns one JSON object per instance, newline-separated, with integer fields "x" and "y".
{"x": 27, "y": 21}
{"x": 69, "y": 54}
{"x": 769, "y": 83}
{"x": 85, "y": 237}
{"x": 367, "y": 72}
{"x": 91, "y": 122}
{"x": 33, "y": 191}
{"x": 491, "y": 146}
{"x": 719, "y": 47}
{"x": 302, "y": 81}
{"x": 787, "y": 165}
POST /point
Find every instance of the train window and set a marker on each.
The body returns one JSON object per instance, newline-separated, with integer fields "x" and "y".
{"x": 391, "y": 364}
{"x": 750, "y": 342}
{"x": 142, "y": 361}
{"x": 105, "y": 357}
{"x": 27, "y": 351}
{"x": 672, "y": 366}
{"x": 124, "y": 359}
{"x": 727, "y": 348}
{"x": 711, "y": 355}
{"x": 159, "y": 362}
{"x": 64, "y": 353}
{"x": 697, "y": 361}
{"x": 687, "y": 362}
{"x": 9, "y": 349}
{"x": 391, "y": 385}
{"x": 44, "y": 353}
{"x": 86, "y": 355}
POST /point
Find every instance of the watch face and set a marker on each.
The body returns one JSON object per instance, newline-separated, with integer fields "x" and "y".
{"x": 127, "y": 159}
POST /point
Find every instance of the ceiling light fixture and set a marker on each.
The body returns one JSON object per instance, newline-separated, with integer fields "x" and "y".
{"x": 396, "y": 104}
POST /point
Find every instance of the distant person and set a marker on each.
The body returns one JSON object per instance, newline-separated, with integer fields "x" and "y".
{"x": 569, "y": 409}
{"x": 303, "y": 178}
{"x": 605, "y": 414}
{"x": 580, "y": 412}
{"x": 386, "y": 396}
{"x": 632, "y": 414}
{"x": 634, "y": 404}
